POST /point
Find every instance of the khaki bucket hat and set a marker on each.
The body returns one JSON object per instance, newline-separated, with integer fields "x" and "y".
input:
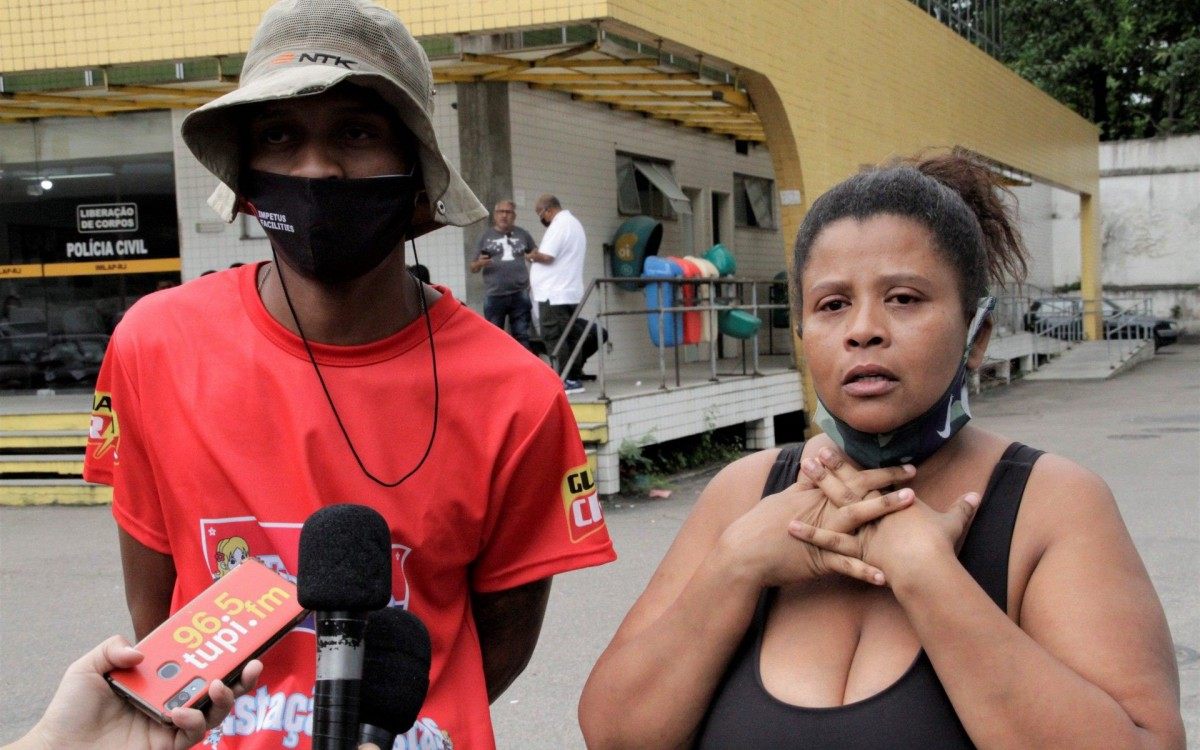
{"x": 305, "y": 47}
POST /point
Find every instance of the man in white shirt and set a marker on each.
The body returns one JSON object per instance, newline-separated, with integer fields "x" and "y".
{"x": 556, "y": 279}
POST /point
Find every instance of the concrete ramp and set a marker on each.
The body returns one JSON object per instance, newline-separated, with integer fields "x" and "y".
{"x": 1095, "y": 360}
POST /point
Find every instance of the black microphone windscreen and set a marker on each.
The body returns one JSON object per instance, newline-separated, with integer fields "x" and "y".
{"x": 395, "y": 670}
{"x": 345, "y": 560}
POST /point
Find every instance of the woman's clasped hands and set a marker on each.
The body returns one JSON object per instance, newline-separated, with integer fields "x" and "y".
{"x": 890, "y": 530}
{"x": 759, "y": 541}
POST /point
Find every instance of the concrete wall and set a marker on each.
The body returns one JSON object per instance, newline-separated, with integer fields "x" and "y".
{"x": 64, "y": 138}
{"x": 485, "y": 146}
{"x": 1049, "y": 223}
{"x": 1065, "y": 230}
{"x": 1151, "y": 222}
{"x": 569, "y": 148}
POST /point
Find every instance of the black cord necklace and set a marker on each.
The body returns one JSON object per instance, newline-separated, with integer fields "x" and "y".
{"x": 329, "y": 398}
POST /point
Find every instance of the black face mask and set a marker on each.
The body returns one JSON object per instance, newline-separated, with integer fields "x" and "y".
{"x": 545, "y": 222}
{"x": 332, "y": 230}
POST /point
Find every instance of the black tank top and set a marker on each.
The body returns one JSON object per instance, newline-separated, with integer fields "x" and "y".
{"x": 914, "y": 712}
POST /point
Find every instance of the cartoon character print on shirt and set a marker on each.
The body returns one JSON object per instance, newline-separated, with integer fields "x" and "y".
{"x": 231, "y": 552}
{"x": 228, "y": 542}
{"x": 508, "y": 248}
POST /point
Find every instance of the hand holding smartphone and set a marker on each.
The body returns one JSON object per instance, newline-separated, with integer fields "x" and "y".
{"x": 211, "y": 637}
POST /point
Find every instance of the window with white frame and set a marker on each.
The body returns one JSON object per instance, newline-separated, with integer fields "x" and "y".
{"x": 753, "y": 201}
{"x": 647, "y": 187}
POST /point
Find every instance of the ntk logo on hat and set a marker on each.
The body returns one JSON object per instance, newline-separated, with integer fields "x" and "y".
{"x": 319, "y": 58}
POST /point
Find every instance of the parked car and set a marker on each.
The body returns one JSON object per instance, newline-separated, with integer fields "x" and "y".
{"x": 1062, "y": 317}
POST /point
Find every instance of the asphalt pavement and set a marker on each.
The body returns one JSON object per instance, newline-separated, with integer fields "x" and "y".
{"x": 61, "y": 590}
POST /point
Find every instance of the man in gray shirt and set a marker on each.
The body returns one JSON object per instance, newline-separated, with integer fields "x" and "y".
{"x": 501, "y": 254}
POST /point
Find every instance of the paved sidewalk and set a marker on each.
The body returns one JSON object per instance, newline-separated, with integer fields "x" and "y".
{"x": 61, "y": 592}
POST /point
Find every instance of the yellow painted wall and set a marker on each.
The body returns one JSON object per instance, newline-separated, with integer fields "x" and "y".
{"x": 43, "y": 34}
{"x": 864, "y": 79}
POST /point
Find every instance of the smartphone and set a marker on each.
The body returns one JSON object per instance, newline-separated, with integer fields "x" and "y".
{"x": 212, "y": 637}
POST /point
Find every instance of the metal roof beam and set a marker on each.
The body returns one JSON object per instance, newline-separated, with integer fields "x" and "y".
{"x": 732, "y": 96}
{"x": 741, "y": 129}
{"x": 704, "y": 122}
{"x": 651, "y": 86}
{"x": 528, "y": 77}
{"x": 665, "y": 101}
{"x": 502, "y": 61}
{"x": 25, "y": 113}
{"x": 168, "y": 91}
{"x": 698, "y": 109}
{"x": 518, "y": 63}
{"x": 578, "y": 49}
{"x": 83, "y": 103}
{"x": 616, "y": 62}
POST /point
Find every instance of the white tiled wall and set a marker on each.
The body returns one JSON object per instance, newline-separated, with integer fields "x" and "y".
{"x": 207, "y": 243}
{"x": 569, "y": 148}
{"x": 659, "y": 417}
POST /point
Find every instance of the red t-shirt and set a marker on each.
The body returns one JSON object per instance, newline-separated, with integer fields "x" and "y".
{"x": 211, "y": 426}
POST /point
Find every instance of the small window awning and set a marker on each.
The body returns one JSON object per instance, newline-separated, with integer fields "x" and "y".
{"x": 661, "y": 178}
{"x": 758, "y": 198}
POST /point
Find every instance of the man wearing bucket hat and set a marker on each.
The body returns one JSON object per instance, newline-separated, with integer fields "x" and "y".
{"x": 241, "y": 402}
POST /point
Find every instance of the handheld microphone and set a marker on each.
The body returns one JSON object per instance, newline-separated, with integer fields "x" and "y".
{"x": 395, "y": 675}
{"x": 344, "y": 572}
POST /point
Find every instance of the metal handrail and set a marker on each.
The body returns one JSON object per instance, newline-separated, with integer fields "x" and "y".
{"x": 1012, "y": 310}
{"x": 711, "y": 308}
{"x": 1067, "y": 321}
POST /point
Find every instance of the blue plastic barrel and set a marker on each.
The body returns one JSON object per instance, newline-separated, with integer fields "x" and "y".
{"x": 661, "y": 268}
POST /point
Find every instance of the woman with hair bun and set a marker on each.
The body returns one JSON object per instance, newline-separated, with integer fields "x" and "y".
{"x": 906, "y": 579}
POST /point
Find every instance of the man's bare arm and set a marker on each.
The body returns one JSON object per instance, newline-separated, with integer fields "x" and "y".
{"x": 509, "y": 623}
{"x": 149, "y": 582}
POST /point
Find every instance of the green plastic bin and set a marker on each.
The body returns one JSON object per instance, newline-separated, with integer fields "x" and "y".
{"x": 738, "y": 324}
{"x": 720, "y": 257}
